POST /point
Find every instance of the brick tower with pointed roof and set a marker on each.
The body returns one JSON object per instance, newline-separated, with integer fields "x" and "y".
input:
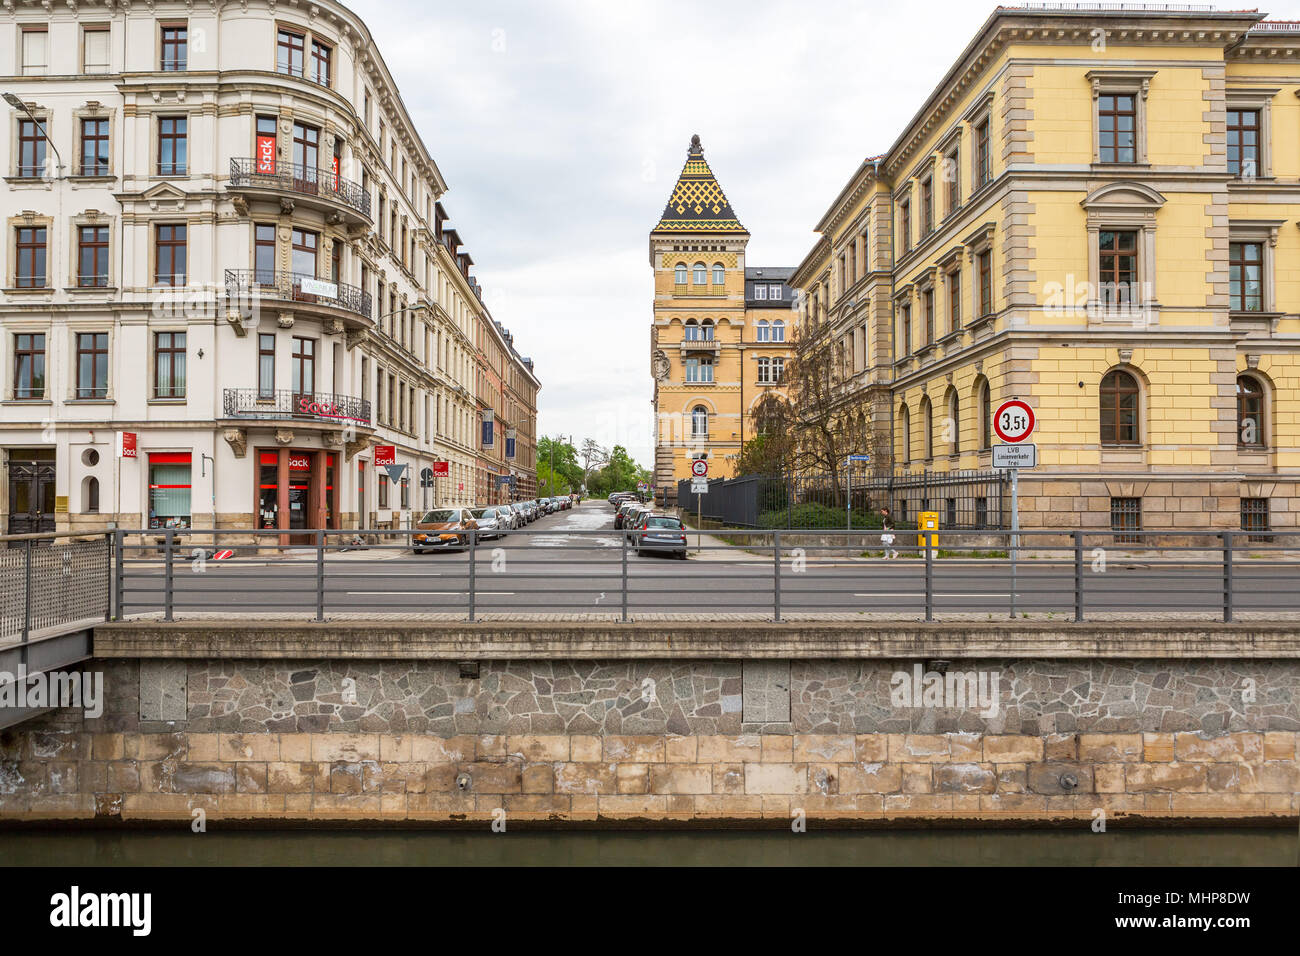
{"x": 697, "y": 340}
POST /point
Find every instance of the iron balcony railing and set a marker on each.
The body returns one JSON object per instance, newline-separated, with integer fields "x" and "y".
{"x": 296, "y": 178}
{"x": 286, "y": 403}
{"x": 244, "y": 284}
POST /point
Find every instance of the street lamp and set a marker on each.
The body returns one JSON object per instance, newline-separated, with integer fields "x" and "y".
{"x": 13, "y": 100}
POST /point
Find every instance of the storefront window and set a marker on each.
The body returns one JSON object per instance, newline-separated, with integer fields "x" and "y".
{"x": 268, "y": 490}
{"x": 169, "y": 490}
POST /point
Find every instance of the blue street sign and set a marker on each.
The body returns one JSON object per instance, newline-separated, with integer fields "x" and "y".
{"x": 859, "y": 458}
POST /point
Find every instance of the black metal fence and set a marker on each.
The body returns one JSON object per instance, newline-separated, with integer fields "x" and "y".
{"x": 964, "y": 500}
{"x": 307, "y": 180}
{"x": 1065, "y": 574}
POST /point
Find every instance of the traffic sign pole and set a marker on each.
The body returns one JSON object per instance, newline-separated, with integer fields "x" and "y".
{"x": 1015, "y": 528}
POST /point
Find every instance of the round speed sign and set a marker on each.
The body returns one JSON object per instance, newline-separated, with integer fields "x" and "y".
{"x": 1013, "y": 421}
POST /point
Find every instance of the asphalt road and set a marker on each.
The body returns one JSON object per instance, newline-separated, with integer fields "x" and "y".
{"x": 573, "y": 561}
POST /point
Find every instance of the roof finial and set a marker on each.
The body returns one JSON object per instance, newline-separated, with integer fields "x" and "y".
{"x": 695, "y": 148}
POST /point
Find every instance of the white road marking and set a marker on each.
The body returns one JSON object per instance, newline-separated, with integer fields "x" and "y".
{"x": 938, "y": 594}
{"x": 423, "y": 593}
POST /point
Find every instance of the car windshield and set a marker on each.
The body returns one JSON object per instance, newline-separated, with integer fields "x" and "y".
{"x": 438, "y": 517}
{"x": 664, "y": 523}
{"x": 484, "y": 512}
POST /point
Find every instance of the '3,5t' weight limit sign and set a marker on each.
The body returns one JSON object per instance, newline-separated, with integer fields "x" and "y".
{"x": 1013, "y": 421}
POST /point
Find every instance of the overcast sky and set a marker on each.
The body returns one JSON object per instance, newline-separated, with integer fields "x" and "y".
{"x": 561, "y": 125}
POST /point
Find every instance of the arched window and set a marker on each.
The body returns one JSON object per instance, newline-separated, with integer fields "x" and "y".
{"x": 778, "y": 331}
{"x": 679, "y": 274}
{"x": 985, "y": 411}
{"x": 699, "y": 422}
{"x": 927, "y": 422}
{"x": 1118, "y": 407}
{"x": 905, "y": 420}
{"x": 692, "y": 330}
{"x": 1250, "y": 412}
{"x": 90, "y": 496}
{"x": 706, "y": 328}
{"x": 719, "y": 274}
{"x": 701, "y": 274}
{"x": 954, "y": 422}
{"x": 763, "y": 331}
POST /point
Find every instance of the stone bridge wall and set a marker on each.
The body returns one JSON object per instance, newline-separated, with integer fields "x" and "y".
{"x": 702, "y": 742}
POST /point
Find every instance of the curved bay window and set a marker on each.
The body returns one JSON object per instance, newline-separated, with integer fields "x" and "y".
{"x": 1118, "y": 408}
{"x": 1250, "y": 412}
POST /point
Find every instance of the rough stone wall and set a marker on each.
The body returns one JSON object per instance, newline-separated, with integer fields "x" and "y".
{"x": 702, "y": 742}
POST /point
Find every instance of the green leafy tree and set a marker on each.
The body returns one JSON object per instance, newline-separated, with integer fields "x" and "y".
{"x": 558, "y": 469}
{"x": 619, "y": 473}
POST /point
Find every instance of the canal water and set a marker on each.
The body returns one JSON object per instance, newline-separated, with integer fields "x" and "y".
{"x": 1116, "y": 847}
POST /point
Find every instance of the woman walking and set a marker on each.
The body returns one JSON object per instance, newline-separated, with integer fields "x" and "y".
{"x": 887, "y": 533}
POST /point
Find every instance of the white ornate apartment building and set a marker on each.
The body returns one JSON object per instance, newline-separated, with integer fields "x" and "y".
{"x": 225, "y": 240}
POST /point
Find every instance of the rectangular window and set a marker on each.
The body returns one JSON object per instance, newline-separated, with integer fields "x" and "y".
{"x": 1254, "y": 519}
{"x": 1117, "y": 262}
{"x": 304, "y": 366}
{"x": 952, "y": 182}
{"x": 382, "y": 478}
{"x": 36, "y": 46}
{"x": 699, "y": 370}
{"x": 31, "y": 148}
{"x": 94, "y": 49}
{"x": 320, "y": 63}
{"x": 954, "y": 301}
{"x": 265, "y": 365}
{"x": 94, "y": 147}
{"x": 169, "y": 490}
{"x": 764, "y": 371}
{"x": 264, "y": 145}
{"x": 927, "y": 303}
{"x": 169, "y": 255}
{"x": 174, "y": 49}
{"x": 29, "y": 365}
{"x": 983, "y": 161}
{"x": 92, "y": 257}
{"x": 760, "y": 292}
{"x": 907, "y": 329}
{"x": 985, "y": 262}
{"x": 264, "y": 253}
{"x": 905, "y": 224}
{"x": 774, "y": 293}
{"x": 171, "y": 145}
{"x": 29, "y": 269}
{"x": 1245, "y": 276}
{"x": 290, "y": 49}
{"x": 303, "y": 258}
{"x": 927, "y": 207}
{"x": 778, "y": 370}
{"x": 169, "y": 365}
{"x": 92, "y": 365}
{"x": 1117, "y": 128}
{"x": 1126, "y": 518}
{"x": 1243, "y": 143}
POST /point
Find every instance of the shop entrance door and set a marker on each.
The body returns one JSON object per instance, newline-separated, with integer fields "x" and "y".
{"x": 31, "y": 497}
{"x": 300, "y": 497}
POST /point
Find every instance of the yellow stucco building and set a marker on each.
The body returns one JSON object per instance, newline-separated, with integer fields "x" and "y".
{"x": 721, "y": 333}
{"x": 1096, "y": 212}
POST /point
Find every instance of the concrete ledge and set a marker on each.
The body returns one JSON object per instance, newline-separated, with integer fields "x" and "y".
{"x": 687, "y": 640}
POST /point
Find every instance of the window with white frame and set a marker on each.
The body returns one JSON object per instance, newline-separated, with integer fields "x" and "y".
{"x": 762, "y": 331}
{"x": 701, "y": 274}
{"x": 760, "y": 292}
{"x": 699, "y": 370}
{"x": 774, "y": 293}
{"x": 35, "y": 51}
{"x": 778, "y": 331}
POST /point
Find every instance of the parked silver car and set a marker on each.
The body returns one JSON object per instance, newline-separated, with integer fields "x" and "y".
{"x": 490, "y": 522}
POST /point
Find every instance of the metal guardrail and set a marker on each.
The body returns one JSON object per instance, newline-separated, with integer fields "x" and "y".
{"x": 304, "y": 180}
{"x": 245, "y": 284}
{"x": 1068, "y": 575}
{"x": 286, "y": 403}
{"x": 45, "y": 584}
